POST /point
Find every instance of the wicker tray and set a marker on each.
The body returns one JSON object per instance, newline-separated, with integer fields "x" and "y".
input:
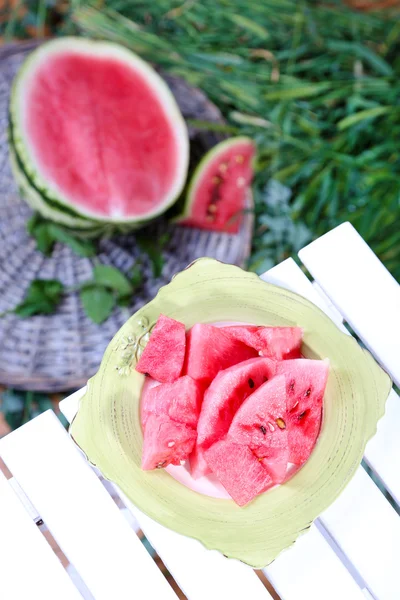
{"x": 61, "y": 351}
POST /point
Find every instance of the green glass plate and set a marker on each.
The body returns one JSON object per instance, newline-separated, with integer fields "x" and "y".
{"x": 107, "y": 426}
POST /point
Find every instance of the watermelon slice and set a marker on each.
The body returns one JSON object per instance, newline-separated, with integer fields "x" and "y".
{"x": 260, "y": 424}
{"x": 166, "y": 442}
{"x": 240, "y": 472}
{"x": 219, "y": 187}
{"x": 226, "y": 394}
{"x": 198, "y": 464}
{"x": 164, "y": 353}
{"x": 210, "y": 350}
{"x": 279, "y": 343}
{"x": 305, "y": 385}
{"x": 180, "y": 401}
{"x": 98, "y": 131}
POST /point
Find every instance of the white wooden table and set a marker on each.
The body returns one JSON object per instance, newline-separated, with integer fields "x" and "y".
{"x": 352, "y": 552}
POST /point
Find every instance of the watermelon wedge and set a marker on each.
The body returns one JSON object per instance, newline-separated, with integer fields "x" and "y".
{"x": 305, "y": 386}
{"x": 240, "y": 472}
{"x": 279, "y": 343}
{"x": 226, "y": 394}
{"x": 198, "y": 464}
{"x": 166, "y": 442}
{"x": 209, "y": 350}
{"x": 164, "y": 354}
{"x": 180, "y": 401}
{"x": 260, "y": 424}
{"x": 219, "y": 187}
{"x": 98, "y": 132}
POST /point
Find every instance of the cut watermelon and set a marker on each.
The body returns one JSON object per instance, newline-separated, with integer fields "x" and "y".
{"x": 240, "y": 472}
{"x": 180, "y": 401}
{"x": 198, "y": 464}
{"x": 219, "y": 187}
{"x": 305, "y": 385}
{"x": 164, "y": 353}
{"x": 210, "y": 350}
{"x": 279, "y": 343}
{"x": 226, "y": 394}
{"x": 260, "y": 424}
{"x": 98, "y": 131}
{"x": 166, "y": 442}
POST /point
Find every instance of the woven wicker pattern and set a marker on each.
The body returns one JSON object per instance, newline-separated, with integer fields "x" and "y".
{"x": 59, "y": 352}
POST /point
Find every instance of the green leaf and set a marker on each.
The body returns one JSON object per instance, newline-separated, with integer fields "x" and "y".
{"x": 124, "y": 301}
{"x": 42, "y": 297}
{"x": 47, "y": 233}
{"x": 251, "y": 26}
{"x": 12, "y": 401}
{"x": 363, "y": 52}
{"x": 111, "y": 277}
{"x": 370, "y": 113}
{"x": 153, "y": 249}
{"x": 293, "y": 93}
{"x": 81, "y": 247}
{"x": 136, "y": 276}
{"x": 38, "y": 229}
{"x": 98, "y": 303}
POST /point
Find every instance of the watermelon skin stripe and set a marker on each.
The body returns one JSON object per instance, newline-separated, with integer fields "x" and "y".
{"x": 38, "y": 201}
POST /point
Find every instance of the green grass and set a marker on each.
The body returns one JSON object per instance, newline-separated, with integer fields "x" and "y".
{"x": 316, "y": 85}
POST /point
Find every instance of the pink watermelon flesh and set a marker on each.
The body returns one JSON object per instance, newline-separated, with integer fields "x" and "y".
{"x": 198, "y": 463}
{"x": 226, "y": 394}
{"x": 101, "y": 134}
{"x": 180, "y": 401}
{"x": 260, "y": 424}
{"x": 164, "y": 353}
{"x": 210, "y": 350}
{"x": 305, "y": 386}
{"x": 279, "y": 343}
{"x": 166, "y": 442}
{"x": 240, "y": 472}
{"x": 220, "y": 185}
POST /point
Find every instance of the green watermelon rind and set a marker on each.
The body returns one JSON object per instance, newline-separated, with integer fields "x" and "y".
{"x": 200, "y": 170}
{"x": 95, "y": 47}
{"x": 38, "y": 201}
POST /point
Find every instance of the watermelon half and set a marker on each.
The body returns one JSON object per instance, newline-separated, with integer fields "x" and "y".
{"x": 97, "y": 132}
{"x": 219, "y": 187}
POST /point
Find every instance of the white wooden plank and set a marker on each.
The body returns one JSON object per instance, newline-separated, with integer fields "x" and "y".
{"x": 361, "y": 288}
{"x": 382, "y": 453}
{"x": 186, "y": 558}
{"x": 289, "y": 276}
{"x": 367, "y": 529}
{"x": 80, "y": 514}
{"x": 28, "y": 566}
{"x": 310, "y": 570}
